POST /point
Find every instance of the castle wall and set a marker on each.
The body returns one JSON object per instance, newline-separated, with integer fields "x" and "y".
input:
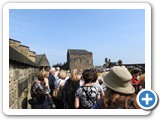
{"x": 21, "y": 77}
{"x": 22, "y": 49}
{"x": 15, "y": 44}
{"x": 32, "y": 56}
{"x": 22, "y": 73}
{"x": 80, "y": 61}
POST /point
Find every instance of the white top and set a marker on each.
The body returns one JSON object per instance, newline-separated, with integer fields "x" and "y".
{"x": 59, "y": 82}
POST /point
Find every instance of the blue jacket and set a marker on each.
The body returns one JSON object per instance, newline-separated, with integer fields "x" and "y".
{"x": 51, "y": 79}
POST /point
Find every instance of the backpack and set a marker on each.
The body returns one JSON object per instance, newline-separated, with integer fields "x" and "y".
{"x": 58, "y": 91}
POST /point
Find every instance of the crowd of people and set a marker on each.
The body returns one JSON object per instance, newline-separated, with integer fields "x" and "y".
{"x": 87, "y": 89}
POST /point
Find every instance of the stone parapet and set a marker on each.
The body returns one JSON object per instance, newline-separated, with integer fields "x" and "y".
{"x": 14, "y": 44}
{"x": 24, "y": 50}
{"x": 32, "y": 56}
{"x": 20, "y": 58}
{"x": 22, "y": 73}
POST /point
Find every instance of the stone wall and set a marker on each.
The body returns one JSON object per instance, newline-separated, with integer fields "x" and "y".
{"x": 23, "y": 49}
{"x": 81, "y": 61}
{"x": 15, "y": 44}
{"x": 22, "y": 73}
{"x": 32, "y": 55}
{"x": 21, "y": 78}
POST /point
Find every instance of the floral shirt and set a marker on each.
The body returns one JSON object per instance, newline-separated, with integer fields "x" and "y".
{"x": 87, "y": 96}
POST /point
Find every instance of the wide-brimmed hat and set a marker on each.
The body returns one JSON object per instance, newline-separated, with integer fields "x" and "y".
{"x": 102, "y": 75}
{"x": 119, "y": 80}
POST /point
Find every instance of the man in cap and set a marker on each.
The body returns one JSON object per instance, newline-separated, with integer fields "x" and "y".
{"x": 135, "y": 72}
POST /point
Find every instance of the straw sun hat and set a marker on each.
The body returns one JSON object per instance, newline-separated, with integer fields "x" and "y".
{"x": 119, "y": 80}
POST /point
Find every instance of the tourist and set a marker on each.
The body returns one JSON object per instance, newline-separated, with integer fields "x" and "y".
{"x": 41, "y": 99}
{"x": 120, "y": 93}
{"x": 70, "y": 88}
{"x": 86, "y": 95}
{"x": 96, "y": 84}
{"x": 57, "y": 71}
{"x": 135, "y": 72}
{"x": 52, "y": 79}
{"x": 59, "y": 84}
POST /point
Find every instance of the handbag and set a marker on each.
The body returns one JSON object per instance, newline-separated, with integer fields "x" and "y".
{"x": 32, "y": 101}
{"x": 48, "y": 102}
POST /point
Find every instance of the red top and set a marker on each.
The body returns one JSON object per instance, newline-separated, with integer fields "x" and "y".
{"x": 134, "y": 81}
{"x": 135, "y": 84}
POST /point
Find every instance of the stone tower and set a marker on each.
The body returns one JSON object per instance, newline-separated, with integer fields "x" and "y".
{"x": 79, "y": 59}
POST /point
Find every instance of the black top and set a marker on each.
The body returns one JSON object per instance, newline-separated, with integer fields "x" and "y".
{"x": 70, "y": 89}
{"x": 51, "y": 79}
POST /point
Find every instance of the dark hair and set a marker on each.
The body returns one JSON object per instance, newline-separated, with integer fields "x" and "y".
{"x": 135, "y": 71}
{"x": 88, "y": 75}
{"x": 95, "y": 76}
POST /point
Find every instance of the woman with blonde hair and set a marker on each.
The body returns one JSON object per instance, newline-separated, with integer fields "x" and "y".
{"x": 61, "y": 78}
{"x": 70, "y": 88}
{"x": 60, "y": 82}
{"x": 74, "y": 75}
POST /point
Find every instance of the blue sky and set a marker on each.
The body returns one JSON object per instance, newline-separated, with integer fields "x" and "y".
{"x": 114, "y": 34}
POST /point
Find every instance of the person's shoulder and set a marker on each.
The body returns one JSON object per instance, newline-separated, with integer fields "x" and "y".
{"x": 79, "y": 88}
{"x": 95, "y": 84}
{"x": 79, "y": 91}
{"x": 36, "y": 82}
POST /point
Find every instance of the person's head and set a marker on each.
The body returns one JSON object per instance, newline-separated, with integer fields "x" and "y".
{"x": 120, "y": 92}
{"x": 75, "y": 70}
{"x": 57, "y": 68}
{"x": 119, "y": 79}
{"x": 95, "y": 76}
{"x": 62, "y": 74}
{"x": 41, "y": 75}
{"x": 135, "y": 72}
{"x": 53, "y": 70}
{"x": 88, "y": 75}
{"x": 74, "y": 75}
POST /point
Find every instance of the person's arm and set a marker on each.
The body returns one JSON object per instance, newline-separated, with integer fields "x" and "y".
{"x": 46, "y": 81}
{"x": 102, "y": 93}
{"x": 76, "y": 103}
{"x": 46, "y": 87}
